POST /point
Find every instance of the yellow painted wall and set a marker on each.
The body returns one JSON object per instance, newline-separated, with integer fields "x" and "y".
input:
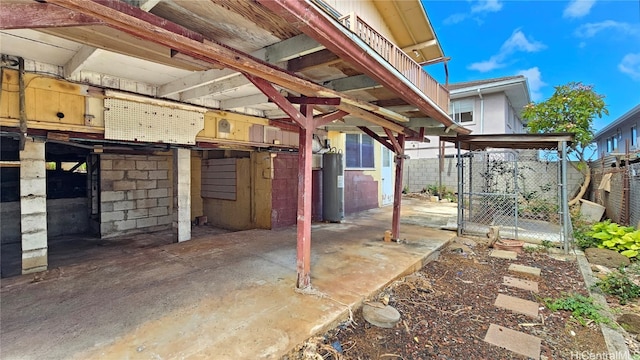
{"x": 339, "y": 141}
{"x": 239, "y": 129}
{"x": 230, "y": 214}
{"x": 197, "y": 207}
{"x": 44, "y": 98}
{"x": 262, "y": 163}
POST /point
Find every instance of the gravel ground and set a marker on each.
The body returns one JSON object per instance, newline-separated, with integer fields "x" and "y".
{"x": 447, "y": 307}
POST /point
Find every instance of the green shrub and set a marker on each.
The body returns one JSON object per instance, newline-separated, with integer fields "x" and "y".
{"x": 623, "y": 239}
{"x": 581, "y": 307}
{"x": 619, "y": 285}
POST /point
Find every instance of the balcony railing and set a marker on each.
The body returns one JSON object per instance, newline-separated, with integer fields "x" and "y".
{"x": 399, "y": 60}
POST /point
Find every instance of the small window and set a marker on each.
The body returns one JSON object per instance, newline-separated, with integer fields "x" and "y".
{"x": 612, "y": 144}
{"x": 634, "y": 135}
{"x": 462, "y": 111}
{"x": 359, "y": 152}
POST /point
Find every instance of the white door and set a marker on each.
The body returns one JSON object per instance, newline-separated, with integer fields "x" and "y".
{"x": 387, "y": 176}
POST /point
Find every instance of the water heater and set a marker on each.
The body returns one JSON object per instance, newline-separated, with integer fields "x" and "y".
{"x": 332, "y": 187}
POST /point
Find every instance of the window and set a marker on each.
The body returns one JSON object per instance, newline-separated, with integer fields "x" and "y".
{"x": 359, "y": 151}
{"x": 634, "y": 135}
{"x": 462, "y": 111}
{"x": 612, "y": 144}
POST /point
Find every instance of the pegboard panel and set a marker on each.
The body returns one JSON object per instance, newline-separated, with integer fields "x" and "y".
{"x": 134, "y": 121}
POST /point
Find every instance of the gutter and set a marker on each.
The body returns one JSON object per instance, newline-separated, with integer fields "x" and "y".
{"x": 335, "y": 37}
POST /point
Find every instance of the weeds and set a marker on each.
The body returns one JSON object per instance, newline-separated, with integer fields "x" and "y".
{"x": 582, "y": 308}
{"x": 618, "y": 284}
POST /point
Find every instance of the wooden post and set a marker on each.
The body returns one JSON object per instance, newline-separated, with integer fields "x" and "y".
{"x": 397, "y": 193}
{"x": 304, "y": 200}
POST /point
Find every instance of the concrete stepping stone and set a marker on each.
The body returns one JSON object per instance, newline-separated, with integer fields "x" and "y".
{"x": 517, "y": 305}
{"x": 520, "y": 284}
{"x": 380, "y": 315}
{"x": 525, "y": 269}
{"x": 516, "y": 341}
{"x": 504, "y": 254}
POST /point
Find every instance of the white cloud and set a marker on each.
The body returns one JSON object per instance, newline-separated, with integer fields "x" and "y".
{"x": 455, "y": 19}
{"x": 578, "y": 8}
{"x": 517, "y": 42}
{"x": 478, "y": 9}
{"x": 486, "y": 6}
{"x": 630, "y": 65}
{"x": 591, "y": 29}
{"x": 488, "y": 65}
{"x": 534, "y": 79}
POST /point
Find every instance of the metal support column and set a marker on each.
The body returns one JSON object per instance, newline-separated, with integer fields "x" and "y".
{"x": 461, "y": 189}
{"x": 564, "y": 196}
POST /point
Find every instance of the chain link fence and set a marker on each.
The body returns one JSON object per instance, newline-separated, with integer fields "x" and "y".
{"x": 518, "y": 190}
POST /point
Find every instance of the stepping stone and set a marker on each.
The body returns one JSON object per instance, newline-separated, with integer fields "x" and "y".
{"x": 516, "y": 341}
{"x": 520, "y": 284}
{"x": 525, "y": 269}
{"x": 504, "y": 254}
{"x": 517, "y": 305}
{"x": 380, "y": 315}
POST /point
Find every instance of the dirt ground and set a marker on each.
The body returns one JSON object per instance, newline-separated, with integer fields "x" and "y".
{"x": 447, "y": 307}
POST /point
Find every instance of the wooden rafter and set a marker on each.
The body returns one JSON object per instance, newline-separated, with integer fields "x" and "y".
{"x": 34, "y": 16}
{"x": 134, "y": 21}
{"x": 398, "y": 150}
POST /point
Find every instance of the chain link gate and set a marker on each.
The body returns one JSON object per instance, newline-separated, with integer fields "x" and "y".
{"x": 513, "y": 189}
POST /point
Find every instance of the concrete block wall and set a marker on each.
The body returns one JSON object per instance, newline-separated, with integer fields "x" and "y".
{"x": 33, "y": 207}
{"x": 136, "y": 194}
{"x": 420, "y": 173}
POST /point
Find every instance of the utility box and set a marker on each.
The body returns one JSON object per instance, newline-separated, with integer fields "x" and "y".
{"x": 332, "y": 187}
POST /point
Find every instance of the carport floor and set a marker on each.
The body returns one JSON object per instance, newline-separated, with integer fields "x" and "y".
{"x": 226, "y": 296}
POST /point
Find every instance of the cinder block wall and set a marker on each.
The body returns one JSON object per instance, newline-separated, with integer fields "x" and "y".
{"x": 135, "y": 194}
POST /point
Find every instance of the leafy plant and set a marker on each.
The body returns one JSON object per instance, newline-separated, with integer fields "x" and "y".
{"x": 623, "y": 239}
{"x": 581, "y": 307}
{"x": 405, "y": 189}
{"x": 618, "y": 284}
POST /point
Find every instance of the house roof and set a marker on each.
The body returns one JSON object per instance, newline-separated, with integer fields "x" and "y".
{"x": 478, "y": 83}
{"x": 631, "y": 114}
{"x": 516, "y": 89}
{"x": 510, "y": 141}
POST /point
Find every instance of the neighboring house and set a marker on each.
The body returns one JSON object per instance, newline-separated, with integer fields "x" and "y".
{"x": 613, "y": 138}
{"x": 138, "y": 116}
{"x": 491, "y": 106}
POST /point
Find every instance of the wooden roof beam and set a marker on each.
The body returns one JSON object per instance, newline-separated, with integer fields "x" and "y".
{"x": 135, "y": 21}
{"x": 40, "y": 15}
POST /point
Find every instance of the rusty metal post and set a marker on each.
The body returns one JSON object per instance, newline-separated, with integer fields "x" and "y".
{"x": 397, "y": 193}
{"x": 304, "y": 200}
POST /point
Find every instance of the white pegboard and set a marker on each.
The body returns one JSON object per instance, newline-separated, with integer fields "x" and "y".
{"x": 135, "y": 121}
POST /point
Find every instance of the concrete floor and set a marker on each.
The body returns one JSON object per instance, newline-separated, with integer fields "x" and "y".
{"x": 224, "y": 296}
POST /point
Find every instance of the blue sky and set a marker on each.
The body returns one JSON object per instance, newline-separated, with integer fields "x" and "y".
{"x": 596, "y": 42}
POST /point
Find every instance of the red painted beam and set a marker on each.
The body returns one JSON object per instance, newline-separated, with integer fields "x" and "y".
{"x": 397, "y": 191}
{"x": 396, "y": 145}
{"x": 313, "y": 100}
{"x": 40, "y": 15}
{"x": 324, "y": 119}
{"x": 303, "y": 222}
{"x": 284, "y": 124}
{"x": 377, "y": 138}
{"x": 274, "y": 95}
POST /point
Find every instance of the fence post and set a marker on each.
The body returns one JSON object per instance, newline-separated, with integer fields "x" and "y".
{"x": 564, "y": 197}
